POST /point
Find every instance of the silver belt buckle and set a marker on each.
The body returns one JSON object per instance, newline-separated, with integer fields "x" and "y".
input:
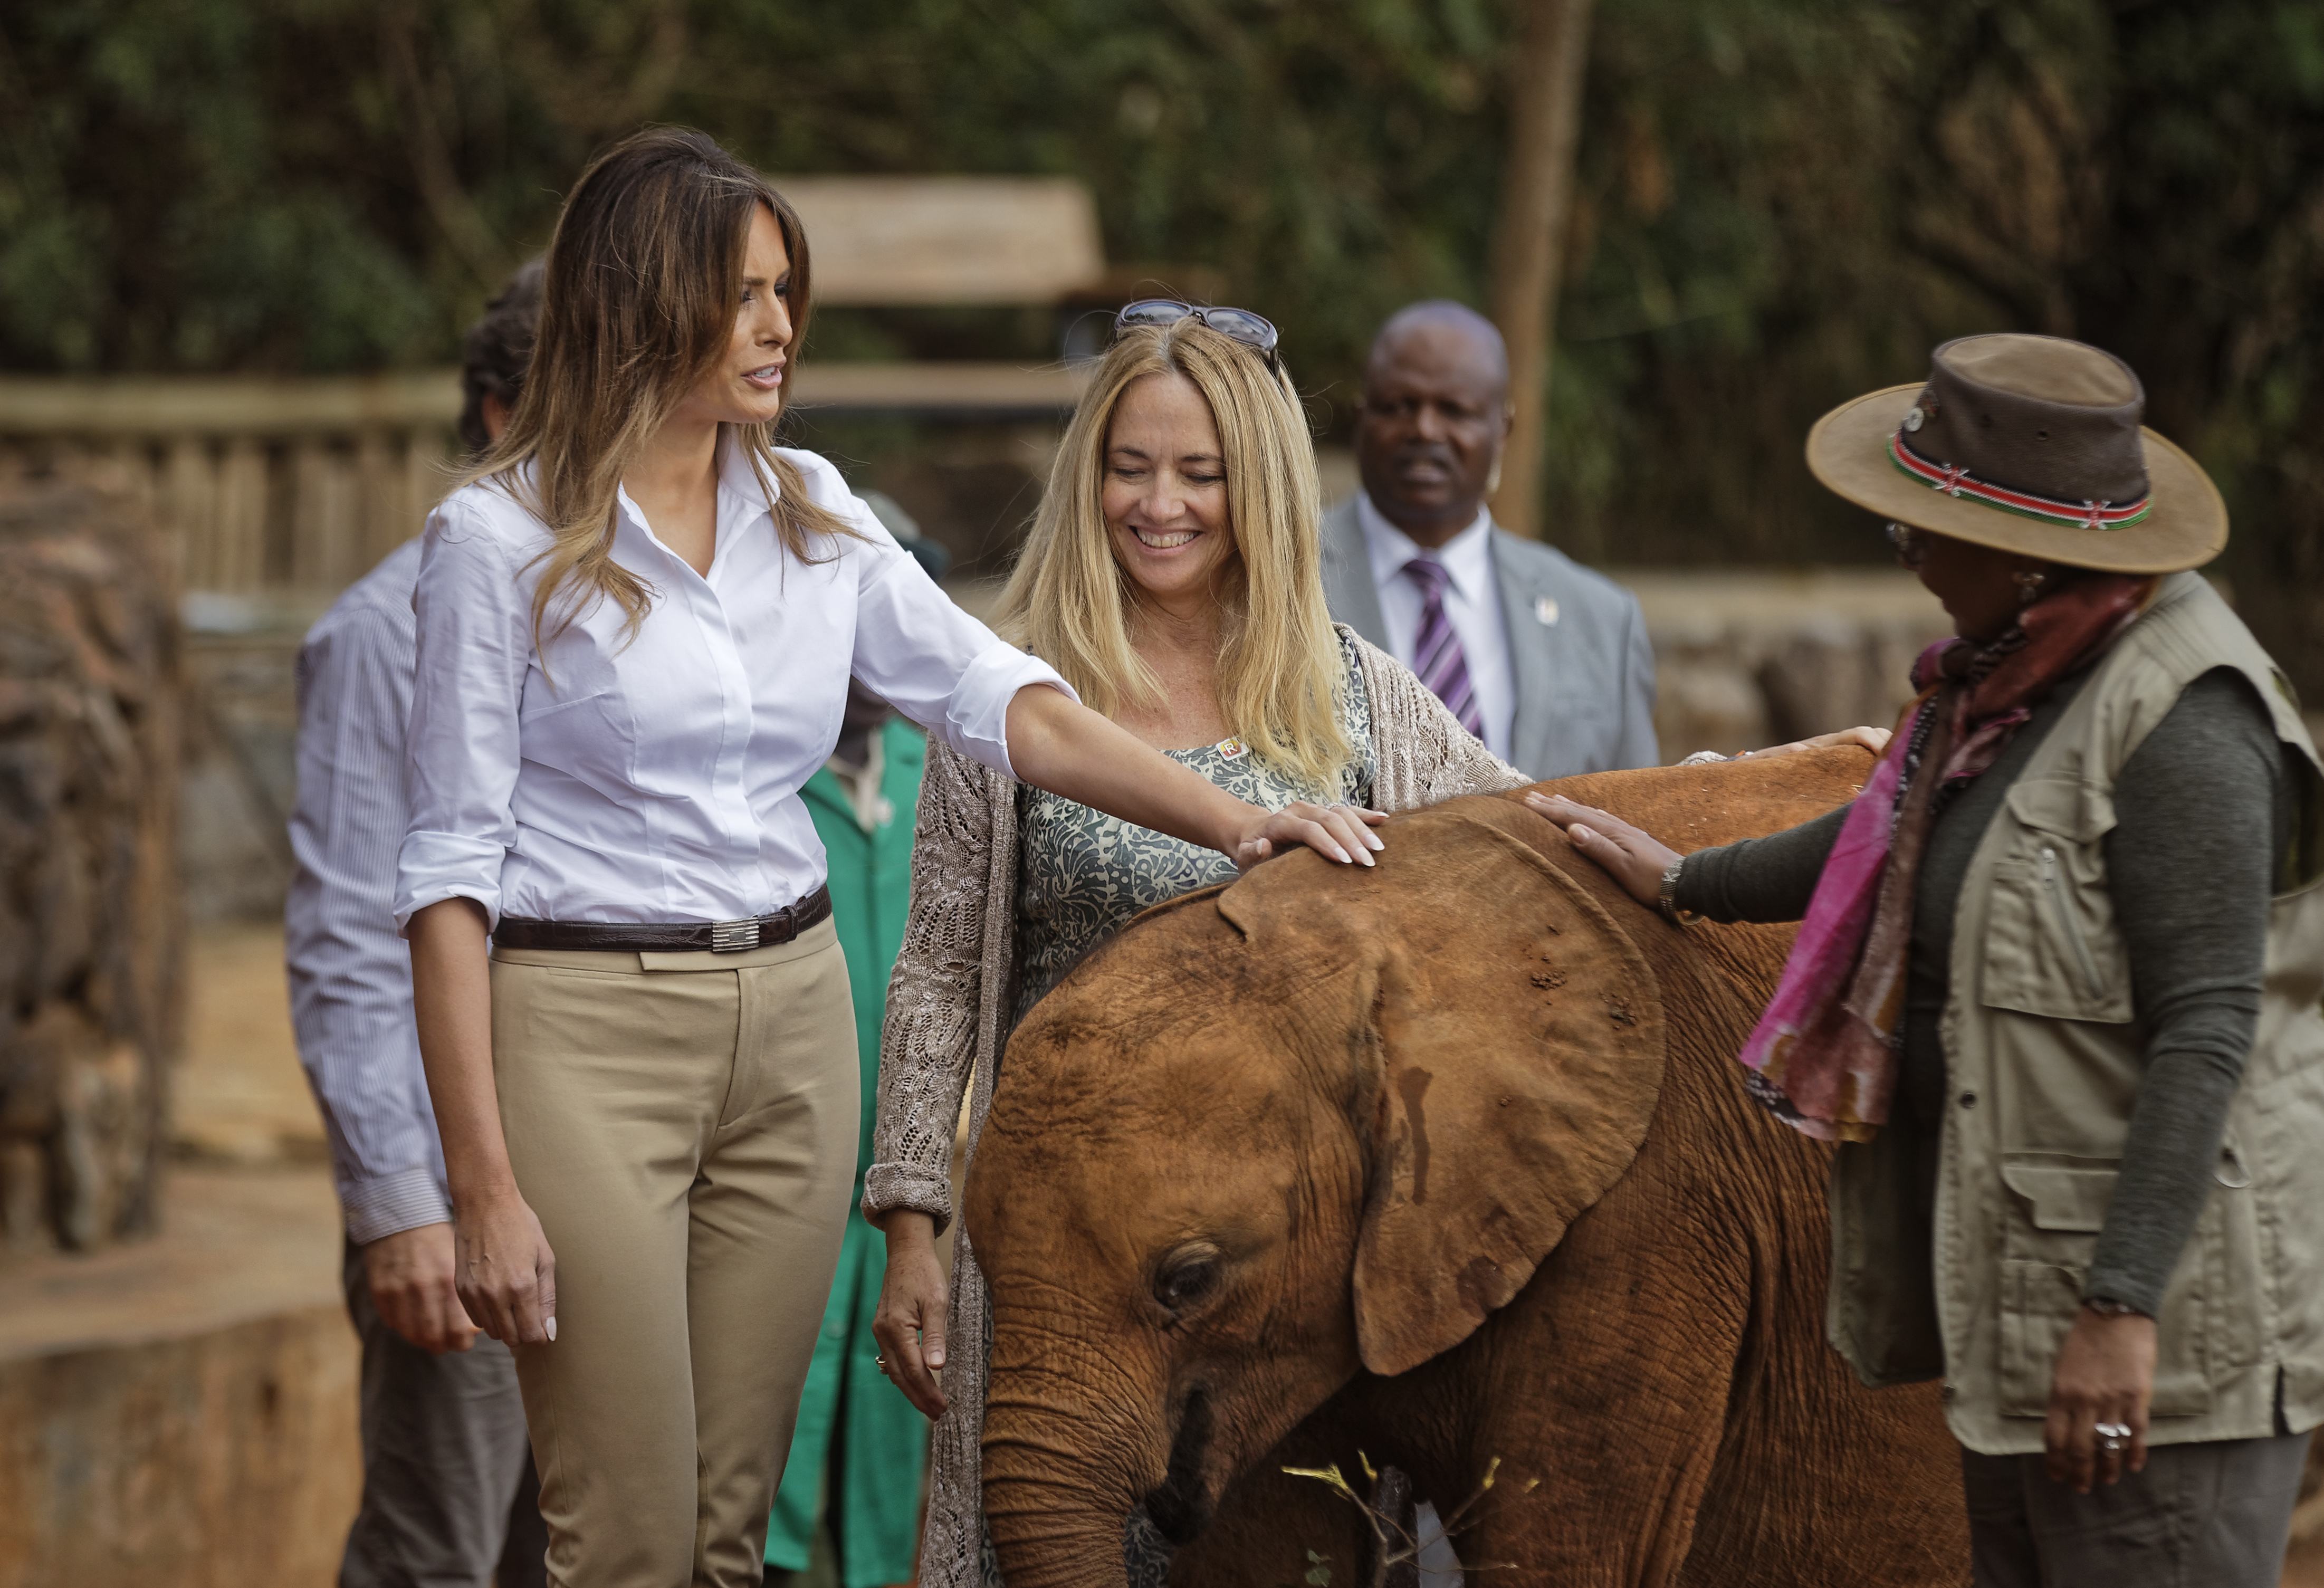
{"x": 733, "y": 937}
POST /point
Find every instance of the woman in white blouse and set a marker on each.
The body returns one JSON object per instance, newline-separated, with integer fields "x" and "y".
{"x": 636, "y": 627}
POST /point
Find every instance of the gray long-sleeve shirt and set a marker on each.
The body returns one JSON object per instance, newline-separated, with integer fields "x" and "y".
{"x": 2203, "y": 813}
{"x": 350, "y": 975}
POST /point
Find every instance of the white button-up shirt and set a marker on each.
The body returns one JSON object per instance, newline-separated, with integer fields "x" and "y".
{"x": 1472, "y": 605}
{"x": 656, "y": 779}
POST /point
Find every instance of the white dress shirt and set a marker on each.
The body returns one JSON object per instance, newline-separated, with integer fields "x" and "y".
{"x": 1472, "y": 605}
{"x": 656, "y": 779}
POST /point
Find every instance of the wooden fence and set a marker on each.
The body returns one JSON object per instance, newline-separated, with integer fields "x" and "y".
{"x": 301, "y": 486}
{"x": 268, "y": 484}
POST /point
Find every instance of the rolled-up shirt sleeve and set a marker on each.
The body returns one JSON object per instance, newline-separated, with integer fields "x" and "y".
{"x": 475, "y": 646}
{"x": 935, "y": 663}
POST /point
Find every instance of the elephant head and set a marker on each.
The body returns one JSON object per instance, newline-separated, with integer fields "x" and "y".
{"x": 1319, "y": 1120}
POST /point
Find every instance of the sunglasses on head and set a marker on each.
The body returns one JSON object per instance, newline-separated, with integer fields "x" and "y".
{"x": 1239, "y": 324}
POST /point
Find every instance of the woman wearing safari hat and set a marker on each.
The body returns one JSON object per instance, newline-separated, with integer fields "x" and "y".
{"x": 2056, "y": 990}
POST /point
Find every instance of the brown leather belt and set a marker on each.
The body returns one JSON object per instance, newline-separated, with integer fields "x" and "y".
{"x": 676, "y": 938}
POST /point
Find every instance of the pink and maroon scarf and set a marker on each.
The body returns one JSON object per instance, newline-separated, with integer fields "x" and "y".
{"x": 1824, "y": 1056}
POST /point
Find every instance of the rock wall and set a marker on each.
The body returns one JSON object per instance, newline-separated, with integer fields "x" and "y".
{"x": 221, "y": 1460}
{"x": 1746, "y": 657}
{"x": 89, "y": 935}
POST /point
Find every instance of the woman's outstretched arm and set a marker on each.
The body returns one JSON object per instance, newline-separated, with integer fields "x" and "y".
{"x": 1768, "y": 879}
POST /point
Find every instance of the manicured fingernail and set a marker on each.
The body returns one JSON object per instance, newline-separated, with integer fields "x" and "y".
{"x": 1374, "y": 841}
{"x": 1580, "y": 833}
{"x": 1344, "y": 856}
{"x": 552, "y": 1331}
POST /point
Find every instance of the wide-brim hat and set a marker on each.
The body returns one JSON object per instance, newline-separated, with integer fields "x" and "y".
{"x": 2028, "y": 444}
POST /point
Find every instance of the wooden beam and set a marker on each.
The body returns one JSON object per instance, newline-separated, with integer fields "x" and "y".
{"x": 897, "y": 240}
{"x": 1545, "y": 86}
{"x": 225, "y": 406}
{"x": 941, "y": 388}
{"x": 145, "y": 407}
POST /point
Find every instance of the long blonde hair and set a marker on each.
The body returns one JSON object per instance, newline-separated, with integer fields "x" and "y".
{"x": 1281, "y": 676}
{"x": 644, "y": 278}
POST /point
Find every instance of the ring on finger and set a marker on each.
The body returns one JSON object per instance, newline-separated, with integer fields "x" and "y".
{"x": 2112, "y": 1438}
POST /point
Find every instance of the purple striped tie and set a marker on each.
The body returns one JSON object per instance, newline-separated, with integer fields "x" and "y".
{"x": 1436, "y": 653}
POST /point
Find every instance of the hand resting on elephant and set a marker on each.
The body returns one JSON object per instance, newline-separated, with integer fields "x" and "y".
{"x": 1636, "y": 859}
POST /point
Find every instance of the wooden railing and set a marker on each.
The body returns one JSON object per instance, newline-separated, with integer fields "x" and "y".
{"x": 302, "y": 485}
{"x": 268, "y": 484}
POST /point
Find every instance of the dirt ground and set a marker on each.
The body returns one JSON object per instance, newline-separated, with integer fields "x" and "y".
{"x": 239, "y": 1095}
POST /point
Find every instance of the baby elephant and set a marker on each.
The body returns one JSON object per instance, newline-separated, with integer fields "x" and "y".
{"x": 1448, "y": 1165}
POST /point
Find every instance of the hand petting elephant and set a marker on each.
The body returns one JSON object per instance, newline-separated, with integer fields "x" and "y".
{"x": 1443, "y": 1164}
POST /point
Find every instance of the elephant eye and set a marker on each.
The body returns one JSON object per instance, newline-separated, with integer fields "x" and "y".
{"x": 1186, "y": 1278}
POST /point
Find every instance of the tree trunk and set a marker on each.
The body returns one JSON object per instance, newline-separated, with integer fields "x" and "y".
{"x": 1545, "y": 84}
{"x": 90, "y": 943}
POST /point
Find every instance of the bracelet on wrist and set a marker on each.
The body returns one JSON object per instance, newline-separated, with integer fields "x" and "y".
{"x": 1667, "y": 903}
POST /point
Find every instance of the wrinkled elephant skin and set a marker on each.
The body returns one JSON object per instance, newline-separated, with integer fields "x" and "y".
{"x": 1443, "y": 1162}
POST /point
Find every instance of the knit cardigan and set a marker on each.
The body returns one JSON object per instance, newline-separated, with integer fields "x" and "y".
{"x": 949, "y": 1002}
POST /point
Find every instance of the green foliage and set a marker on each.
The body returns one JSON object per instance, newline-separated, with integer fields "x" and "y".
{"x": 1780, "y": 202}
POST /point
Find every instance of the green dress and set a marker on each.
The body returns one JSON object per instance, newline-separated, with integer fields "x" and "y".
{"x": 856, "y": 1433}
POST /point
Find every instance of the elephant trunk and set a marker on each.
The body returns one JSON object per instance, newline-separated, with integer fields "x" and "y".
{"x": 1042, "y": 1544}
{"x": 1054, "y": 1502}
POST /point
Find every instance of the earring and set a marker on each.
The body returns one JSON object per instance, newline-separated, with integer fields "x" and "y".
{"x": 2030, "y": 581}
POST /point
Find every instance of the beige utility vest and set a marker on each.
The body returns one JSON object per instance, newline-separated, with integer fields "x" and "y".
{"x": 2043, "y": 1057}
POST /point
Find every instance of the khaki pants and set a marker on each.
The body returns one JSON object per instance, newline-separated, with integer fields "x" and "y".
{"x": 684, "y": 1125}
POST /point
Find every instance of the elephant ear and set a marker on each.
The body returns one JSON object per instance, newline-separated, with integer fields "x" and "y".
{"x": 1521, "y": 1045}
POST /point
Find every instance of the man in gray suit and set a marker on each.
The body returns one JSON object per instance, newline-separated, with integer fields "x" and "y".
{"x": 1545, "y": 660}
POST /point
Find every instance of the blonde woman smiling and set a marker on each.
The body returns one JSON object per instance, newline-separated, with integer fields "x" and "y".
{"x": 1172, "y": 578}
{"x": 636, "y": 629}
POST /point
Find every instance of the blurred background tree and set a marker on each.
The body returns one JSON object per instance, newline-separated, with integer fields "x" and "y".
{"x": 1779, "y": 202}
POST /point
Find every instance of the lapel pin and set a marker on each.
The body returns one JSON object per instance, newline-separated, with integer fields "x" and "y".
{"x": 1544, "y": 611}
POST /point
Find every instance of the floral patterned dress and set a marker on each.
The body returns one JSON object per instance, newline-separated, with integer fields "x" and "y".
{"x": 1081, "y": 874}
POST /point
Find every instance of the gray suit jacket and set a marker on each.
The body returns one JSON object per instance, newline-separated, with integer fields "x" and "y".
{"x": 1585, "y": 674}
